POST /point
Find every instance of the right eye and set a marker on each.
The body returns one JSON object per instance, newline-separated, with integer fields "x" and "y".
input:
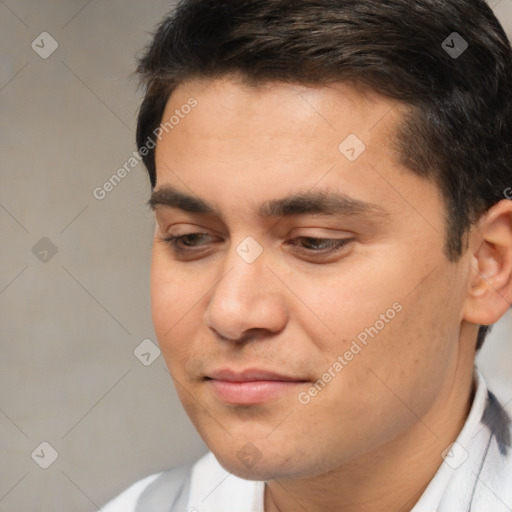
{"x": 188, "y": 241}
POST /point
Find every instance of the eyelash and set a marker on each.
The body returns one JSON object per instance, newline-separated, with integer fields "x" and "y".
{"x": 336, "y": 244}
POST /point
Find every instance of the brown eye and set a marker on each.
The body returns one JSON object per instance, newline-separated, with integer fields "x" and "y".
{"x": 321, "y": 245}
{"x": 185, "y": 242}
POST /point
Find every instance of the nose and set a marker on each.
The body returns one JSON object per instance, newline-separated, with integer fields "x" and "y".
{"x": 246, "y": 301}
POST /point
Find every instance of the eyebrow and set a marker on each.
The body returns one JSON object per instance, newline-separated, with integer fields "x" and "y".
{"x": 299, "y": 203}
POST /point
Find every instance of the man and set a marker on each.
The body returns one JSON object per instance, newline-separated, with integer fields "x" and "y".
{"x": 333, "y": 240}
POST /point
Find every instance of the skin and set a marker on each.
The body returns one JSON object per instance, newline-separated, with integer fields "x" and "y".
{"x": 372, "y": 438}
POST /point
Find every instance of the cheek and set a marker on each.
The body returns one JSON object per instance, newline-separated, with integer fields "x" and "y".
{"x": 403, "y": 324}
{"x": 417, "y": 351}
{"x": 174, "y": 305}
{"x": 357, "y": 296}
{"x": 397, "y": 375}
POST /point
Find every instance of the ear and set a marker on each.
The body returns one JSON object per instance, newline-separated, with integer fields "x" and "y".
{"x": 490, "y": 283}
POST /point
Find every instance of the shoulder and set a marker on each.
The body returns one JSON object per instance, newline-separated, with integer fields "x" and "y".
{"x": 488, "y": 475}
{"x": 163, "y": 487}
{"x": 214, "y": 488}
{"x": 127, "y": 500}
{"x": 186, "y": 487}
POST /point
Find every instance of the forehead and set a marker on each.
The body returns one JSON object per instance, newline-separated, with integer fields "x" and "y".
{"x": 267, "y": 141}
{"x": 274, "y": 126}
{"x": 283, "y": 110}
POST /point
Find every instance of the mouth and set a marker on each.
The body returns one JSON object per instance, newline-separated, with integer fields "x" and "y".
{"x": 250, "y": 386}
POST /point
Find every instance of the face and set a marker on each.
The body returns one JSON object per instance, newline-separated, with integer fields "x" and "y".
{"x": 308, "y": 288}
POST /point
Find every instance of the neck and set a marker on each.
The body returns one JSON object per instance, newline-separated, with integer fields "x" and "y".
{"x": 394, "y": 476}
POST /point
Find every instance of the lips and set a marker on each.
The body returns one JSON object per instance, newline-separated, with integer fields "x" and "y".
{"x": 250, "y": 386}
{"x": 250, "y": 375}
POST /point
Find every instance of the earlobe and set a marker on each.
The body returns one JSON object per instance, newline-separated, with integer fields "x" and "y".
{"x": 489, "y": 292}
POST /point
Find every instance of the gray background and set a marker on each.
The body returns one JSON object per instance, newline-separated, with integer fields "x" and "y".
{"x": 71, "y": 321}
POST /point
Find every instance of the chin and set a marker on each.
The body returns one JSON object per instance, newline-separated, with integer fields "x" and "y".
{"x": 256, "y": 469}
{"x": 249, "y": 464}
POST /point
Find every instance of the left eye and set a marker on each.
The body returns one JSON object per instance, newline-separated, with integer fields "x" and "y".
{"x": 324, "y": 245}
